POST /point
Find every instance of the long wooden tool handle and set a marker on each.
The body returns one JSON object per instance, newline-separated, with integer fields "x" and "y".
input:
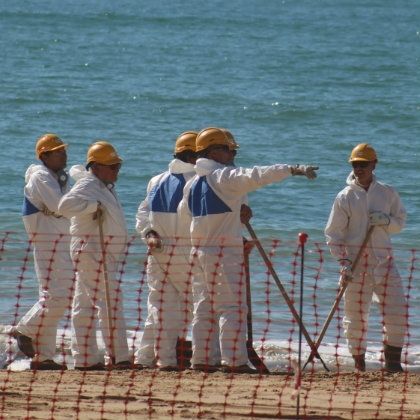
{"x": 339, "y": 296}
{"x": 248, "y": 297}
{"x": 106, "y": 283}
{"x": 252, "y": 354}
{"x": 284, "y": 293}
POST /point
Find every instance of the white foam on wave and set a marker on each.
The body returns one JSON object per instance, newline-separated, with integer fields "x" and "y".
{"x": 278, "y": 354}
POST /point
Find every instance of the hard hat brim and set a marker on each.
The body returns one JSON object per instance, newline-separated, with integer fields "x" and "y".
{"x": 184, "y": 149}
{"x": 111, "y": 161}
{"x": 114, "y": 161}
{"x": 358, "y": 159}
{"x": 61, "y": 146}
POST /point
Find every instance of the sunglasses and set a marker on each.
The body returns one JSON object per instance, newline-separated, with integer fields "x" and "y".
{"x": 222, "y": 147}
{"x": 113, "y": 167}
{"x": 360, "y": 164}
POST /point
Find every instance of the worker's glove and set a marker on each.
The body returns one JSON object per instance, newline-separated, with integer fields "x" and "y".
{"x": 154, "y": 242}
{"x": 97, "y": 215}
{"x": 245, "y": 214}
{"x": 378, "y": 218}
{"x": 306, "y": 170}
{"x": 48, "y": 212}
{"x": 346, "y": 273}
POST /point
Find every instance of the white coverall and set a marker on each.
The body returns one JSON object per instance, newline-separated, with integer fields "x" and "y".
{"x": 168, "y": 271}
{"x": 80, "y": 204}
{"x": 48, "y": 232}
{"x": 376, "y": 274}
{"x": 214, "y": 198}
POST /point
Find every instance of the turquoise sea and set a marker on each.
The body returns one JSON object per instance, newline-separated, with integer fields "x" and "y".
{"x": 295, "y": 81}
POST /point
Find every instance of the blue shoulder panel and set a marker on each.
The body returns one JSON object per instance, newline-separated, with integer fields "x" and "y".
{"x": 28, "y": 208}
{"x": 203, "y": 201}
{"x": 166, "y": 196}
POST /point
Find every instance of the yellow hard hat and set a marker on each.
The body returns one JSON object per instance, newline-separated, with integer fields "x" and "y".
{"x": 211, "y": 136}
{"x": 103, "y": 153}
{"x": 48, "y": 143}
{"x": 363, "y": 152}
{"x": 233, "y": 144}
{"x": 185, "y": 141}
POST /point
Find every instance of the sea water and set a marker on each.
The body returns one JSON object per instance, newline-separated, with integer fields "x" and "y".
{"x": 295, "y": 81}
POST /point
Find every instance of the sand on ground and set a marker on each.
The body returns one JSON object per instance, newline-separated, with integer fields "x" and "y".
{"x": 188, "y": 394}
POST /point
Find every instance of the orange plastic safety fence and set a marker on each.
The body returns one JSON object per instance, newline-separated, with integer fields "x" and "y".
{"x": 92, "y": 332}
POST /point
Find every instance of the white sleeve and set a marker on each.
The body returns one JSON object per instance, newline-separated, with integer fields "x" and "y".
{"x": 75, "y": 203}
{"x": 397, "y": 215}
{"x": 142, "y": 219}
{"x": 183, "y": 210}
{"x": 48, "y": 190}
{"x": 143, "y": 222}
{"x": 241, "y": 181}
{"x": 336, "y": 228}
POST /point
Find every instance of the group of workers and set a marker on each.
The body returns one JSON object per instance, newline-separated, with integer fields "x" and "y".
{"x": 191, "y": 221}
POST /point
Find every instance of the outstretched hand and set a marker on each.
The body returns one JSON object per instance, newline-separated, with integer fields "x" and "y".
{"x": 307, "y": 170}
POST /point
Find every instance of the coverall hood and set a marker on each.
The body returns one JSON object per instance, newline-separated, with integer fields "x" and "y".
{"x": 351, "y": 180}
{"x": 32, "y": 169}
{"x": 205, "y": 166}
{"x": 78, "y": 172}
{"x": 177, "y": 166}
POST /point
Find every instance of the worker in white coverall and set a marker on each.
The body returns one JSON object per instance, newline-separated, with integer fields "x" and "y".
{"x": 93, "y": 204}
{"x": 167, "y": 236}
{"x": 48, "y": 232}
{"x": 367, "y": 202}
{"x": 214, "y": 198}
{"x": 213, "y": 355}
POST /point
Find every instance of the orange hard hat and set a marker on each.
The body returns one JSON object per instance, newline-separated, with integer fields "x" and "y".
{"x": 211, "y": 136}
{"x": 185, "y": 141}
{"x": 363, "y": 152}
{"x": 233, "y": 144}
{"x": 48, "y": 143}
{"x": 103, "y": 153}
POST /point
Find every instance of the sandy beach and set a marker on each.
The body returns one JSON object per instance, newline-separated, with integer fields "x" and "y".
{"x": 154, "y": 394}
